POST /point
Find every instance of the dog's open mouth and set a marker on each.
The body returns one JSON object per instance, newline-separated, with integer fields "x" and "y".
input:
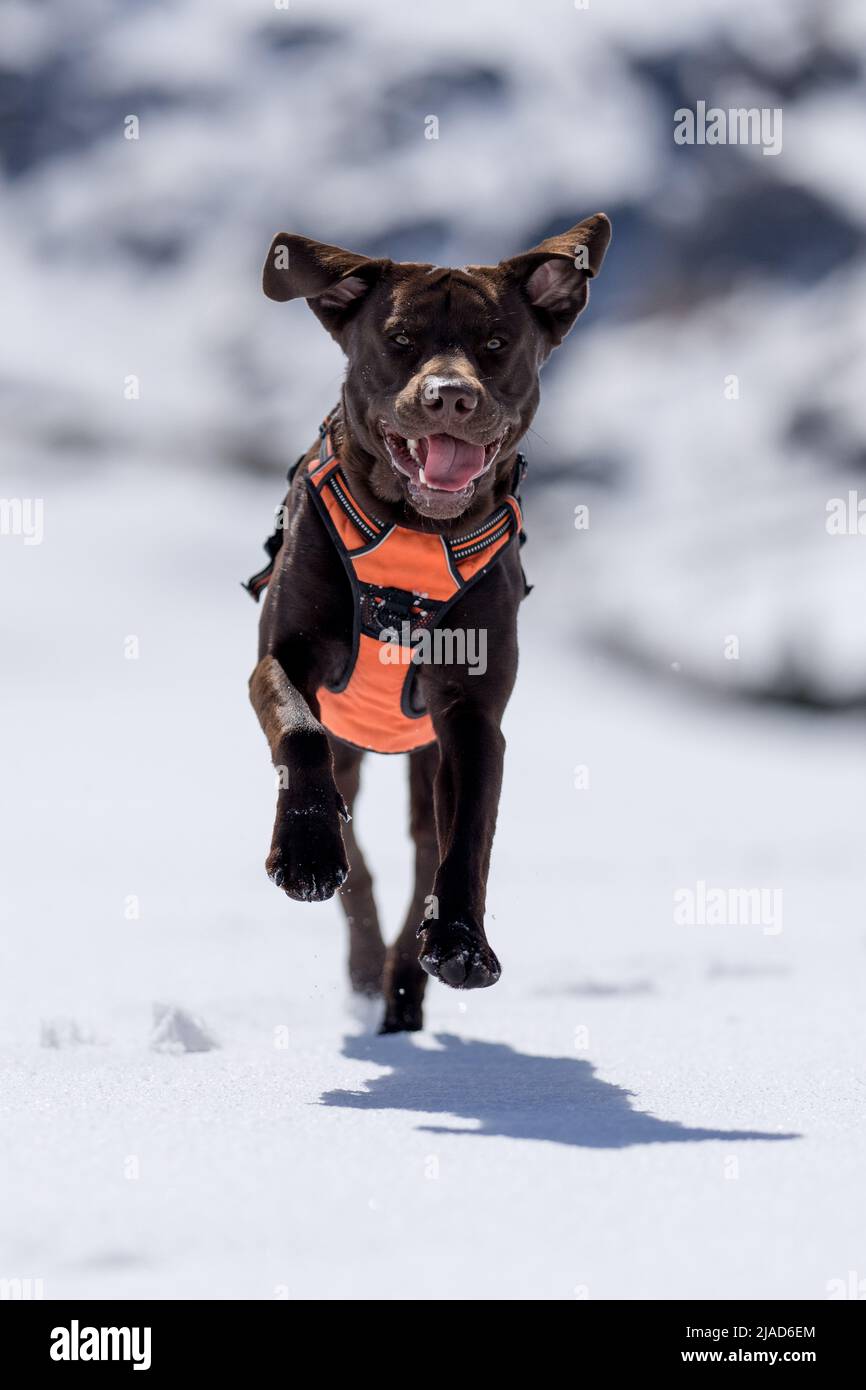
{"x": 440, "y": 470}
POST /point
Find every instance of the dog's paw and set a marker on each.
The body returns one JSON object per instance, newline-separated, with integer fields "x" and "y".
{"x": 404, "y": 986}
{"x": 307, "y": 858}
{"x": 404, "y": 1012}
{"x": 366, "y": 967}
{"x": 458, "y": 955}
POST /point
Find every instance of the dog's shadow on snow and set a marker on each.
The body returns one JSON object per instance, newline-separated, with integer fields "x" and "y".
{"x": 512, "y": 1094}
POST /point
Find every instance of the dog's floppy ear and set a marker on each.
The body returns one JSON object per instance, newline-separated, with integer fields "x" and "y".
{"x": 333, "y": 281}
{"x": 554, "y": 274}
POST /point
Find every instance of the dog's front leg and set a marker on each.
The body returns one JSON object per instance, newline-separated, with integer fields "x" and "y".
{"x": 454, "y": 947}
{"x": 307, "y": 858}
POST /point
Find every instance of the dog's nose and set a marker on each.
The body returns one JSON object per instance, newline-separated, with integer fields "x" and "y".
{"x": 448, "y": 402}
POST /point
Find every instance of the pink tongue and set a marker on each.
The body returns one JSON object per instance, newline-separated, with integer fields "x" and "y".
{"x": 451, "y": 463}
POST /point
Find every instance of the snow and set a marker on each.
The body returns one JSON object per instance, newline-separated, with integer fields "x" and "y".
{"x": 175, "y": 1030}
{"x": 636, "y": 1110}
{"x": 134, "y": 265}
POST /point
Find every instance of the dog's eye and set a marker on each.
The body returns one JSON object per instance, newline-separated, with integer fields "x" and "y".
{"x": 493, "y": 344}
{"x": 401, "y": 340}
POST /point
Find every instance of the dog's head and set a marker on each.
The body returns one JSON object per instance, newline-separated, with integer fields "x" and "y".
{"x": 442, "y": 379}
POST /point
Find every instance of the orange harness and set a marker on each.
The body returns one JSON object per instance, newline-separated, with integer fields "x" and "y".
{"x": 403, "y": 584}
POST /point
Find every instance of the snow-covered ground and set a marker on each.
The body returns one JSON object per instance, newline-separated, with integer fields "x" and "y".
{"x": 638, "y": 1109}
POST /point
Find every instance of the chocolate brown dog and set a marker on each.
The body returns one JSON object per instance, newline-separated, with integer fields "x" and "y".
{"x": 441, "y": 386}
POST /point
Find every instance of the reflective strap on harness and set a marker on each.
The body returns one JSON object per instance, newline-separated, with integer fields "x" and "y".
{"x": 464, "y": 553}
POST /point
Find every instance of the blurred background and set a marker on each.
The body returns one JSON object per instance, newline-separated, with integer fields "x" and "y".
{"x": 693, "y": 662}
{"x": 141, "y": 257}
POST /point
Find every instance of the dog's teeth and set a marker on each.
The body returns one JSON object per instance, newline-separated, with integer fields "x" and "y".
{"x": 421, "y": 476}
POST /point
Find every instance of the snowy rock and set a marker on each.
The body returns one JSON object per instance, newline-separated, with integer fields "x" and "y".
{"x": 175, "y": 1030}
{"x": 64, "y": 1032}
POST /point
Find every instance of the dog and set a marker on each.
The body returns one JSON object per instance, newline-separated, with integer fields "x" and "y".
{"x": 401, "y": 525}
